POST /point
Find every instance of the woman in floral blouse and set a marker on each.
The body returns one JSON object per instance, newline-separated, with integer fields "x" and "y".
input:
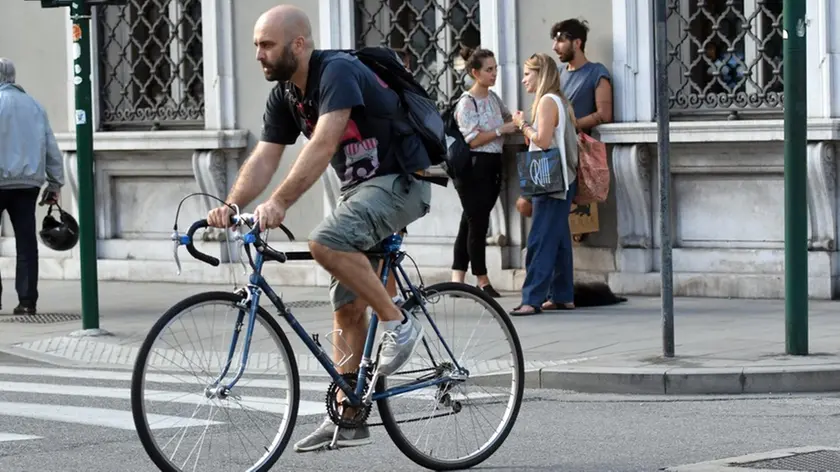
{"x": 484, "y": 121}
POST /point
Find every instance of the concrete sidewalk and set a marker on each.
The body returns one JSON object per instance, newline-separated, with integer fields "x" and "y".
{"x": 722, "y": 346}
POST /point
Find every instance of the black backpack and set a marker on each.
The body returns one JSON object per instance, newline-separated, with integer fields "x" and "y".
{"x": 422, "y": 111}
{"x": 459, "y": 159}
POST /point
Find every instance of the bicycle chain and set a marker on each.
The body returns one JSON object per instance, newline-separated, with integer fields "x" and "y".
{"x": 364, "y": 413}
{"x": 412, "y": 420}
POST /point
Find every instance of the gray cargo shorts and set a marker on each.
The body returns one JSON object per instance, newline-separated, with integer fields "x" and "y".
{"x": 367, "y": 214}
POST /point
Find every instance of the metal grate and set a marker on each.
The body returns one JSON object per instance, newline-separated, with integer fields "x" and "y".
{"x": 816, "y": 461}
{"x": 725, "y": 56}
{"x": 43, "y": 318}
{"x": 151, "y": 67}
{"x": 306, "y": 304}
{"x": 430, "y": 34}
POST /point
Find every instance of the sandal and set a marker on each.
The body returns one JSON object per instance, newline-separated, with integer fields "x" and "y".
{"x": 518, "y": 311}
{"x": 549, "y": 305}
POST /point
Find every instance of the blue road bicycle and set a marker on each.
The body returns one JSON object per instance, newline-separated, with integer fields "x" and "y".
{"x": 252, "y": 377}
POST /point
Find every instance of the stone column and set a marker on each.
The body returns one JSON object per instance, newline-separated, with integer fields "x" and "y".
{"x": 823, "y": 49}
{"x": 210, "y": 167}
{"x": 631, "y": 164}
{"x": 822, "y": 201}
{"x": 71, "y": 180}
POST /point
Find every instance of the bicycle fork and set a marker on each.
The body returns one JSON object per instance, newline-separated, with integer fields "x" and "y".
{"x": 252, "y": 295}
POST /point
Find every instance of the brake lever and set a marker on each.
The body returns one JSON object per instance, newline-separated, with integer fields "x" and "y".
{"x": 240, "y": 243}
{"x": 176, "y": 242}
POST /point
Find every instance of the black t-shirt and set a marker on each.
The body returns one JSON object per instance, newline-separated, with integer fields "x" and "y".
{"x": 372, "y": 141}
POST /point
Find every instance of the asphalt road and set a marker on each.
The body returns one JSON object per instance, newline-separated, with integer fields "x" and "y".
{"x": 55, "y": 419}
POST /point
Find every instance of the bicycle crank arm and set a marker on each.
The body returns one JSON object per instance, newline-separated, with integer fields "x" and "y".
{"x": 334, "y": 443}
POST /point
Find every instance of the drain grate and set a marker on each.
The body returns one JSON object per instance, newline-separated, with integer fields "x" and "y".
{"x": 43, "y": 318}
{"x": 306, "y": 303}
{"x": 816, "y": 461}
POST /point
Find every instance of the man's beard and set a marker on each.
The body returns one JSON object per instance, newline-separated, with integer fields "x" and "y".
{"x": 567, "y": 56}
{"x": 285, "y": 66}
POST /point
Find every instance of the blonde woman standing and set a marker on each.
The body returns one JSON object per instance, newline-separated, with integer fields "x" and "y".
{"x": 549, "y": 279}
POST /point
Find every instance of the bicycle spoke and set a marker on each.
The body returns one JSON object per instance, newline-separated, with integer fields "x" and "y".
{"x": 428, "y": 424}
{"x": 179, "y": 368}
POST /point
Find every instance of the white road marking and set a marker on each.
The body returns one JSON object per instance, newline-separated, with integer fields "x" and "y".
{"x": 7, "y": 437}
{"x": 166, "y": 378}
{"x": 266, "y": 404}
{"x": 187, "y": 380}
{"x": 93, "y": 416}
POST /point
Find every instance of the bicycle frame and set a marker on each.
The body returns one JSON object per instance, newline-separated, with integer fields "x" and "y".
{"x": 392, "y": 257}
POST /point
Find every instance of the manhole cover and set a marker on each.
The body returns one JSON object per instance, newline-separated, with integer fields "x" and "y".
{"x": 816, "y": 461}
{"x": 306, "y": 303}
{"x": 43, "y": 318}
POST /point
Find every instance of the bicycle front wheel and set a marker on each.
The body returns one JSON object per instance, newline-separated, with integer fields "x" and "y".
{"x": 477, "y": 335}
{"x": 199, "y": 424}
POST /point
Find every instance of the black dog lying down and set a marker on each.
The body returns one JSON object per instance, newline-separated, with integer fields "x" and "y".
{"x": 589, "y": 294}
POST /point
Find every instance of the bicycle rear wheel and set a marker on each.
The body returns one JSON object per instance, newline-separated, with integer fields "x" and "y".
{"x": 181, "y": 436}
{"x": 495, "y": 381}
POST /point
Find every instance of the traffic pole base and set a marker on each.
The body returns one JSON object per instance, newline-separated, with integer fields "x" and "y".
{"x": 84, "y": 333}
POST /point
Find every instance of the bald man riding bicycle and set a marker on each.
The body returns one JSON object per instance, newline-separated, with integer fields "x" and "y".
{"x": 326, "y": 95}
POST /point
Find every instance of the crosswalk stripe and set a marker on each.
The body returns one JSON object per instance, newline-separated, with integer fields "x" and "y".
{"x": 123, "y": 420}
{"x": 245, "y": 382}
{"x": 91, "y": 374}
{"x": 266, "y": 404}
{"x": 8, "y": 437}
{"x": 94, "y": 416}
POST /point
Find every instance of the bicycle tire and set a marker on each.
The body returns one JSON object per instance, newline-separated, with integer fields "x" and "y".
{"x": 137, "y": 407}
{"x": 390, "y": 422}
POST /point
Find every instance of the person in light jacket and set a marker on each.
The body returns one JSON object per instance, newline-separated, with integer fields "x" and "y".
{"x": 29, "y": 157}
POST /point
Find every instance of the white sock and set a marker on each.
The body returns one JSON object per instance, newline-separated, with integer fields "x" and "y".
{"x": 392, "y": 325}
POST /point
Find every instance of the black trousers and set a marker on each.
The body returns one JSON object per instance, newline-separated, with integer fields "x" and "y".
{"x": 20, "y": 203}
{"x": 478, "y": 192}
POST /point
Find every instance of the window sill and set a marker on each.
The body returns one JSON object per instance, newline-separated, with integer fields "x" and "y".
{"x": 159, "y": 140}
{"x": 820, "y": 129}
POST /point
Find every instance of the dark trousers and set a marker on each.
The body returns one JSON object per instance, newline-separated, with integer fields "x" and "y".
{"x": 549, "y": 264}
{"x": 20, "y": 204}
{"x": 478, "y": 192}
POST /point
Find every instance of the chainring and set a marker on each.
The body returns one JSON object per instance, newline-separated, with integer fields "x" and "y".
{"x": 333, "y": 411}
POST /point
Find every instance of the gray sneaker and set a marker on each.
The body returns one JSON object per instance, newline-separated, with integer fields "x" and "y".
{"x": 323, "y": 436}
{"x": 398, "y": 346}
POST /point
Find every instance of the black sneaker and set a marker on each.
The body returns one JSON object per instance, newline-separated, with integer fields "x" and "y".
{"x": 22, "y": 309}
{"x": 489, "y": 290}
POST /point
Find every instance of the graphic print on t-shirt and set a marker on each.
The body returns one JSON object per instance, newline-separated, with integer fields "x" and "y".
{"x": 361, "y": 160}
{"x": 361, "y": 156}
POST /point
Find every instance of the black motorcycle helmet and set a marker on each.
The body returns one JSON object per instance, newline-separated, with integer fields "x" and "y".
{"x": 59, "y": 236}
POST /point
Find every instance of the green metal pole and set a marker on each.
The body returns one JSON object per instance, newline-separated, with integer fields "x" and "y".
{"x": 796, "y": 207}
{"x": 80, "y": 14}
